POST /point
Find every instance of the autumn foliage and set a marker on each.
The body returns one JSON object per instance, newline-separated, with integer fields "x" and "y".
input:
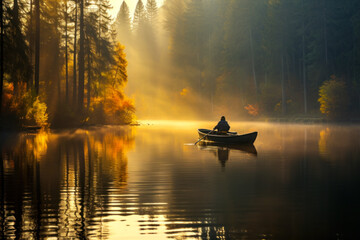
{"x": 111, "y": 106}
{"x": 21, "y": 106}
{"x": 253, "y": 110}
{"x": 333, "y": 98}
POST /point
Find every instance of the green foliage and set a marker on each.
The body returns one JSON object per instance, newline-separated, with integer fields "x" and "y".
{"x": 16, "y": 51}
{"x": 333, "y": 98}
{"x": 19, "y": 101}
{"x": 269, "y": 97}
{"x": 100, "y": 63}
{"x": 268, "y": 50}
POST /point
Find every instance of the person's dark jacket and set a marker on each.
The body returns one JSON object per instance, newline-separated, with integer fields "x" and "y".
{"x": 222, "y": 126}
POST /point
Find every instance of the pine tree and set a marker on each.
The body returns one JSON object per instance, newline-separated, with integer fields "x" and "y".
{"x": 51, "y": 57}
{"x": 17, "y": 50}
{"x": 152, "y": 11}
{"x": 139, "y": 17}
{"x": 122, "y": 24}
{"x": 104, "y": 43}
{"x": 66, "y": 20}
{"x": 1, "y": 55}
{"x": 75, "y": 54}
{"x": 37, "y": 46}
{"x": 81, "y": 58}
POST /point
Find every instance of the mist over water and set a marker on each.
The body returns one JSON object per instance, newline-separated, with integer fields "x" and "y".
{"x": 149, "y": 182}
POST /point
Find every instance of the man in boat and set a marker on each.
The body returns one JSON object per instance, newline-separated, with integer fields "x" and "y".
{"x": 222, "y": 127}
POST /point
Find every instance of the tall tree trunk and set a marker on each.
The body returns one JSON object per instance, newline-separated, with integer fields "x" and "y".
{"x": 31, "y": 44}
{"x": 58, "y": 75}
{"x": 253, "y": 64}
{"x": 74, "y": 71}
{"x": 66, "y": 54}
{"x": 37, "y": 45}
{"x": 16, "y": 36}
{"x": 81, "y": 59}
{"x": 89, "y": 77}
{"x": 303, "y": 59}
{"x": 1, "y": 56}
{"x": 283, "y": 93}
{"x": 325, "y": 36}
{"x": 99, "y": 27}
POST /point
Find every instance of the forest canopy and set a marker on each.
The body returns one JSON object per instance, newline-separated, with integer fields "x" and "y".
{"x": 67, "y": 62}
{"x": 61, "y": 65}
{"x": 242, "y": 58}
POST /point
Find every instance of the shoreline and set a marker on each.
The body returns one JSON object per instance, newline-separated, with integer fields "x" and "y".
{"x": 283, "y": 120}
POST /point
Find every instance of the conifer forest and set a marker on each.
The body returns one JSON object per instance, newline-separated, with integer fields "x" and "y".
{"x": 69, "y": 62}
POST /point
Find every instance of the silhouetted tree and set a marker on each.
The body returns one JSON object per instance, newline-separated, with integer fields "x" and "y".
{"x": 139, "y": 19}
{"x": 152, "y": 10}
{"x": 122, "y": 24}
{"x": 81, "y": 58}
{"x": 1, "y": 54}
{"x": 37, "y": 46}
{"x": 75, "y": 54}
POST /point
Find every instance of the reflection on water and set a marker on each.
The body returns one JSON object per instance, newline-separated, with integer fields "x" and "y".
{"x": 297, "y": 182}
{"x": 222, "y": 151}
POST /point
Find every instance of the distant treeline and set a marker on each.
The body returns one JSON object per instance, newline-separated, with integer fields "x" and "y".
{"x": 61, "y": 65}
{"x": 258, "y": 57}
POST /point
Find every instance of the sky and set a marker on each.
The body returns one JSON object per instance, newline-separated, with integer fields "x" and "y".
{"x": 131, "y": 3}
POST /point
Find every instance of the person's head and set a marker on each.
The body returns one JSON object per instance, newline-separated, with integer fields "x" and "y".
{"x": 223, "y": 118}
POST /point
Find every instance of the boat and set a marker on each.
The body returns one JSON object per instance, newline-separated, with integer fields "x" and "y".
{"x": 229, "y": 138}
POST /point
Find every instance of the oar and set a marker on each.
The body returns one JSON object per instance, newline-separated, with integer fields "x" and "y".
{"x": 203, "y": 137}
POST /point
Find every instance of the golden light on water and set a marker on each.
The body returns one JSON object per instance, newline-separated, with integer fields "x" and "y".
{"x": 152, "y": 182}
{"x": 38, "y": 144}
{"x": 324, "y": 135}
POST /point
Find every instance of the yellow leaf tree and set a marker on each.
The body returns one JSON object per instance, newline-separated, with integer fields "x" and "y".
{"x": 333, "y": 98}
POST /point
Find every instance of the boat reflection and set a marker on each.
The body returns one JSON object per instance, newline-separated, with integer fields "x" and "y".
{"x": 222, "y": 150}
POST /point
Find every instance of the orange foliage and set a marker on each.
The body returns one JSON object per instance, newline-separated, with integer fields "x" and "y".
{"x": 116, "y": 103}
{"x": 113, "y": 102}
{"x": 253, "y": 110}
{"x": 17, "y": 97}
{"x": 8, "y": 93}
{"x": 184, "y": 92}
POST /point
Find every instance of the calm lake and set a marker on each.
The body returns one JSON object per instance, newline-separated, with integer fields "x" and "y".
{"x": 151, "y": 182}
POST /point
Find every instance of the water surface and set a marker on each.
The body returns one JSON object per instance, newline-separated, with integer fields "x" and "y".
{"x": 151, "y": 182}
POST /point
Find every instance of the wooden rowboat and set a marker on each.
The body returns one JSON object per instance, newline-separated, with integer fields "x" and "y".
{"x": 229, "y": 138}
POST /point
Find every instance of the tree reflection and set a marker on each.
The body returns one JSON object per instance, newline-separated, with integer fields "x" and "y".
{"x": 56, "y": 184}
{"x": 302, "y": 184}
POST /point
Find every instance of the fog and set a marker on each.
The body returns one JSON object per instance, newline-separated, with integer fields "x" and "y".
{"x": 203, "y": 59}
{"x": 161, "y": 88}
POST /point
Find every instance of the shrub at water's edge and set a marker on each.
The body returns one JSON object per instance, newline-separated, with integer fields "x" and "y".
{"x": 21, "y": 108}
{"x": 333, "y": 99}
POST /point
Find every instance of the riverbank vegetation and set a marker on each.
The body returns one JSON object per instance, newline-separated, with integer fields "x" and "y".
{"x": 60, "y": 65}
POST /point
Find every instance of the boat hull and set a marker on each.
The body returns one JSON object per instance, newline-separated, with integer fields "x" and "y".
{"x": 248, "y": 138}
